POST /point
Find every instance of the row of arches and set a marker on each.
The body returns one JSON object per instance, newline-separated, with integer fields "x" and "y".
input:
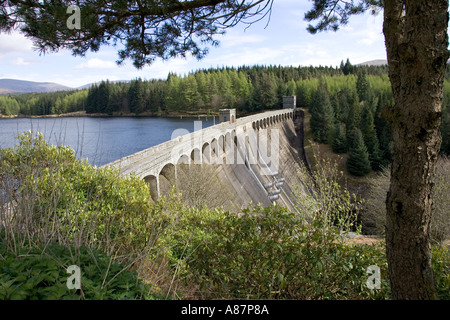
{"x": 220, "y": 150}
{"x": 265, "y": 122}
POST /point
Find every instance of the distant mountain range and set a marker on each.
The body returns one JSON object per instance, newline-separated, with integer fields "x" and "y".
{"x": 13, "y": 86}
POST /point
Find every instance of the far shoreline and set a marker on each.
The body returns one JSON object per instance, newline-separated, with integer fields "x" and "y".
{"x": 113, "y": 115}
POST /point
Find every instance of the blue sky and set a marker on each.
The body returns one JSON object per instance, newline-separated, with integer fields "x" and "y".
{"x": 284, "y": 41}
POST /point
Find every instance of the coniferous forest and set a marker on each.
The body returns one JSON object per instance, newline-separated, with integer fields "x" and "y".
{"x": 346, "y": 103}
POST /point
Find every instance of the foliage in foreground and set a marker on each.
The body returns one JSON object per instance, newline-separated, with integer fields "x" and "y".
{"x": 270, "y": 253}
{"x": 48, "y": 195}
{"x": 106, "y": 225}
{"x": 41, "y": 274}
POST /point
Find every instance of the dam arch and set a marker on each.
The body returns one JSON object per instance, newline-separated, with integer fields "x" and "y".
{"x": 153, "y": 183}
{"x": 196, "y": 156}
{"x": 158, "y": 165}
{"x": 206, "y": 153}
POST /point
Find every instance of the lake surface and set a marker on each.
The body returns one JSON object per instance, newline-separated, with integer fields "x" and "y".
{"x": 101, "y": 140}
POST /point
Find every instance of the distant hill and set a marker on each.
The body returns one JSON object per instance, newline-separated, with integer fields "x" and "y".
{"x": 378, "y": 62}
{"x": 12, "y": 86}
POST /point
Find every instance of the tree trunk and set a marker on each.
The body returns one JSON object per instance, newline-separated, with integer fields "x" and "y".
{"x": 416, "y": 43}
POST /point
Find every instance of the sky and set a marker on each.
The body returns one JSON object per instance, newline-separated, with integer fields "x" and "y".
{"x": 283, "y": 41}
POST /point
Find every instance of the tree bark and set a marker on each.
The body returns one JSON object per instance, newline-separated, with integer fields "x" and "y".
{"x": 416, "y": 43}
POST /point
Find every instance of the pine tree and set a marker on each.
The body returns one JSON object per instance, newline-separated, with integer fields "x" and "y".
{"x": 353, "y": 118}
{"x": 268, "y": 90}
{"x": 385, "y": 145}
{"x": 173, "y": 95}
{"x": 322, "y": 116}
{"x": 362, "y": 87}
{"x": 358, "y": 162}
{"x": 368, "y": 129}
{"x": 376, "y": 157}
{"x": 371, "y": 140}
{"x": 341, "y": 103}
{"x": 192, "y": 97}
{"x": 103, "y": 96}
{"x": 339, "y": 143}
{"x": 92, "y": 98}
{"x": 291, "y": 88}
{"x": 136, "y": 96}
{"x": 347, "y": 68}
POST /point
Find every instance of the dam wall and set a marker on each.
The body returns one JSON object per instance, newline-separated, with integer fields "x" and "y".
{"x": 255, "y": 158}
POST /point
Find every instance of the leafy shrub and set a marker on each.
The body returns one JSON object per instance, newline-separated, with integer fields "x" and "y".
{"x": 268, "y": 253}
{"x": 48, "y": 195}
{"x": 323, "y": 194}
{"x": 40, "y": 274}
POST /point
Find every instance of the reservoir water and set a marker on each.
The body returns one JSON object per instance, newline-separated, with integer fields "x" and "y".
{"x": 100, "y": 139}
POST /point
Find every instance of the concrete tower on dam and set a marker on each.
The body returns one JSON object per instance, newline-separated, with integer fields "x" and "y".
{"x": 256, "y": 157}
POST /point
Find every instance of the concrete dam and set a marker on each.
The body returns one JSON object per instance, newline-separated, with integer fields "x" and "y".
{"x": 239, "y": 161}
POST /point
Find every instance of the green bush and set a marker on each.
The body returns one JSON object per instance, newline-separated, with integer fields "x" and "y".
{"x": 269, "y": 253}
{"x": 54, "y": 197}
{"x": 41, "y": 274}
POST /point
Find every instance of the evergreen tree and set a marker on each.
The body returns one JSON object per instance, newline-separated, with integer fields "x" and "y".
{"x": 368, "y": 129}
{"x": 92, "y": 98}
{"x": 192, "y": 97}
{"x": 136, "y": 96}
{"x": 103, "y": 95}
{"x": 291, "y": 88}
{"x": 385, "y": 146}
{"x": 266, "y": 91}
{"x": 371, "y": 140}
{"x": 362, "y": 86}
{"x": 346, "y": 68}
{"x": 322, "y": 117}
{"x": 202, "y": 83}
{"x": 353, "y": 118}
{"x": 341, "y": 104}
{"x": 339, "y": 143}
{"x": 173, "y": 96}
{"x": 305, "y": 89}
{"x": 224, "y": 88}
{"x": 241, "y": 89}
{"x": 358, "y": 162}
{"x": 376, "y": 157}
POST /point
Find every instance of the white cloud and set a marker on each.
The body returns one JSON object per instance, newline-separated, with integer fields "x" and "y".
{"x": 14, "y": 43}
{"x": 96, "y": 63}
